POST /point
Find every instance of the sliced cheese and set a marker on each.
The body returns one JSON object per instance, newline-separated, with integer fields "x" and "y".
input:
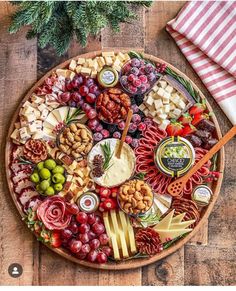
{"x": 160, "y": 207}
{"x": 166, "y": 235}
{"x": 165, "y": 222}
{"x": 178, "y": 218}
{"x": 165, "y": 199}
{"x": 182, "y": 225}
{"x": 51, "y": 119}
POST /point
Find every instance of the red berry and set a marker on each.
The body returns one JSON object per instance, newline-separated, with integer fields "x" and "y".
{"x": 85, "y": 248}
{"x": 83, "y": 90}
{"x": 91, "y": 114}
{"x": 83, "y": 237}
{"x": 99, "y": 128}
{"x": 105, "y": 133}
{"x": 82, "y": 217}
{"x": 101, "y": 258}
{"x": 137, "y": 83}
{"x": 93, "y": 123}
{"x": 142, "y": 126}
{"x": 143, "y": 79}
{"x": 91, "y": 235}
{"x": 104, "y": 192}
{"x": 73, "y": 227}
{"x": 91, "y": 218}
{"x": 132, "y": 89}
{"x": 92, "y": 256}
{"x": 91, "y": 98}
{"x": 104, "y": 239}
{"x": 121, "y": 125}
{"x": 93, "y": 89}
{"x": 128, "y": 139}
{"x": 86, "y": 107}
{"x": 84, "y": 228}
{"x": 94, "y": 244}
{"x": 106, "y": 250}
{"x": 131, "y": 78}
{"x": 98, "y": 228}
{"x": 75, "y": 245}
{"x": 66, "y": 233}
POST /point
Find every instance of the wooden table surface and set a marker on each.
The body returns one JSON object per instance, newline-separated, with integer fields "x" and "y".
{"x": 209, "y": 259}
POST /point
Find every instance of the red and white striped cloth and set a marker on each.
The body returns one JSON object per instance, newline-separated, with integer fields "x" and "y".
{"x": 205, "y": 32}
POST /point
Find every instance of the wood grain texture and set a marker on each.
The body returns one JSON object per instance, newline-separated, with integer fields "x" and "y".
{"x": 40, "y": 261}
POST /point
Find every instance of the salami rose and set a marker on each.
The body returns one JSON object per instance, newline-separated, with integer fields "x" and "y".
{"x": 52, "y": 212}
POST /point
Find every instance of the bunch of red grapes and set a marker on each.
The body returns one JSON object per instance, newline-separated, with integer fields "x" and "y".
{"x": 85, "y": 237}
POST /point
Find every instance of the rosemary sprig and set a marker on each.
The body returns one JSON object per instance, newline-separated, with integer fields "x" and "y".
{"x": 23, "y": 161}
{"x": 140, "y": 175}
{"x": 106, "y": 149}
{"x": 72, "y": 117}
{"x": 187, "y": 85}
{"x": 170, "y": 243}
{"x": 137, "y": 55}
{"x": 214, "y": 162}
{"x": 136, "y": 256}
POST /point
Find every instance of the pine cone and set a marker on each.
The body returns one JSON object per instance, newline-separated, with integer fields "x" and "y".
{"x": 97, "y": 172}
{"x": 148, "y": 241}
{"x": 35, "y": 150}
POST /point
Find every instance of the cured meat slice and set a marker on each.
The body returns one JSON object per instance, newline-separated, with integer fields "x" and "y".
{"x": 32, "y": 203}
{"x": 20, "y": 176}
{"x": 26, "y": 195}
{"x": 25, "y": 183}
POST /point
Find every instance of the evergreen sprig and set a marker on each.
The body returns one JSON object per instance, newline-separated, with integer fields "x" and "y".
{"x": 57, "y": 22}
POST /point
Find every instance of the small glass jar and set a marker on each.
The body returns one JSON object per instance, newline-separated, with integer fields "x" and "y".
{"x": 202, "y": 195}
{"x": 88, "y": 202}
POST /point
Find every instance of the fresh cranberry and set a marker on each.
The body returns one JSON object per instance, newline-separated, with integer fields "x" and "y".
{"x": 134, "y": 71}
{"x": 135, "y": 143}
{"x": 135, "y": 62}
{"x": 105, "y": 133}
{"x": 131, "y": 78}
{"x": 128, "y": 139}
{"x": 136, "y": 118}
{"x": 137, "y": 83}
{"x": 142, "y": 126}
{"x": 97, "y": 136}
{"x": 117, "y": 134}
{"x": 99, "y": 128}
{"x": 121, "y": 125}
{"x": 143, "y": 79}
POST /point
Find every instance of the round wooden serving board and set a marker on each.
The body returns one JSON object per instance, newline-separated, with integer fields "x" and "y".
{"x": 132, "y": 263}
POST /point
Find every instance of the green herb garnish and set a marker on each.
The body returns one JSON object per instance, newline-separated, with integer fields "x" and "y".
{"x": 72, "y": 117}
{"x": 187, "y": 85}
{"x": 23, "y": 161}
{"x": 149, "y": 220}
{"x": 214, "y": 162}
{"x": 171, "y": 242}
{"x": 136, "y": 256}
{"x": 140, "y": 176}
{"x": 106, "y": 149}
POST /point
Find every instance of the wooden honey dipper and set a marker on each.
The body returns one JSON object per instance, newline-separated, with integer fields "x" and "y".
{"x": 176, "y": 187}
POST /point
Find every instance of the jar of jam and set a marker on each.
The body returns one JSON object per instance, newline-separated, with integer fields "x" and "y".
{"x": 88, "y": 202}
{"x": 108, "y": 77}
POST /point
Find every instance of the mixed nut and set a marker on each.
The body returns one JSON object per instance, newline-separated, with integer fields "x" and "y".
{"x": 113, "y": 105}
{"x": 76, "y": 140}
{"x": 135, "y": 197}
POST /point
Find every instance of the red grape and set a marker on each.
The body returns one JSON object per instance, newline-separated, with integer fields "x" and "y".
{"x": 104, "y": 239}
{"x": 106, "y": 250}
{"x": 101, "y": 258}
{"x": 86, "y": 107}
{"x": 83, "y": 237}
{"x": 91, "y": 114}
{"x": 81, "y": 255}
{"x": 92, "y": 256}
{"x": 91, "y": 218}
{"x": 75, "y": 245}
{"x": 82, "y": 217}
{"x": 94, "y": 244}
{"x": 74, "y": 227}
{"x": 69, "y": 85}
{"x": 89, "y": 82}
{"x": 85, "y": 248}
{"x": 98, "y": 218}
{"x": 98, "y": 228}
{"x": 72, "y": 208}
{"x": 83, "y": 90}
{"x": 84, "y": 228}
{"x": 93, "y": 89}
{"x": 91, "y": 235}
{"x": 93, "y": 123}
{"x": 66, "y": 233}
{"x": 75, "y": 96}
{"x": 91, "y": 98}
{"x": 64, "y": 97}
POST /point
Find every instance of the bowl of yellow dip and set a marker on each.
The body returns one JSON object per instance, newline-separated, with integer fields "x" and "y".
{"x": 118, "y": 170}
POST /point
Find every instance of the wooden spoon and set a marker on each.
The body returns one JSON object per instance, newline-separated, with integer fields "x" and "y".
{"x": 176, "y": 187}
{"x": 127, "y": 123}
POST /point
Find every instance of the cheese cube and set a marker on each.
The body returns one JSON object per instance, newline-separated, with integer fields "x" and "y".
{"x": 163, "y": 84}
{"x": 23, "y": 121}
{"x": 32, "y": 128}
{"x": 27, "y": 104}
{"x": 121, "y": 56}
{"x": 160, "y": 111}
{"x": 44, "y": 114}
{"x": 155, "y": 88}
{"x": 146, "y": 112}
{"x": 38, "y": 124}
{"x": 157, "y": 120}
{"x": 161, "y": 92}
{"x": 15, "y": 135}
{"x": 108, "y": 61}
{"x": 169, "y": 89}
{"x": 118, "y": 68}
{"x": 71, "y": 75}
{"x": 36, "y": 99}
{"x": 86, "y": 71}
{"x": 142, "y": 107}
{"x": 30, "y": 117}
{"x": 26, "y": 110}
{"x": 17, "y": 125}
{"x": 174, "y": 97}
{"x": 172, "y": 106}
{"x": 108, "y": 54}
{"x": 181, "y": 104}
{"x": 24, "y": 133}
{"x": 78, "y": 69}
{"x": 94, "y": 66}
{"x": 37, "y": 113}
{"x": 167, "y": 108}
{"x": 162, "y": 116}
{"x": 62, "y": 72}
{"x": 116, "y": 62}
{"x": 176, "y": 112}
{"x": 127, "y": 57}
{"x": 158, "y": 103}
{"x": 101, "y": 61}
{"x": 164, "y": 124}
{"x": 41, "y": 107}
{"x": 72, "y": 65}
{"x": 81, "y": 61}
{"x": 149, "y": 100}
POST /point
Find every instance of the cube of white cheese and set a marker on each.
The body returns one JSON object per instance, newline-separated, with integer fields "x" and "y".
{"x": 36, "y": 99}
{"x": 172, "y": 106}
{"x": 37, "y": 113}
{"x": 155, "y": 88}
{"x": 169, "y": 89}
{"x": 176, "y": 112}
{"x": 44, "y": 114}
{"x": 157, "y": 120}
{"x": 161, "y": 92}
{"x": 162, "y": 116}
{"x": 163, "y": 84}
{"x": 181, "y": 104}
{"x": 41, "y": 107}
{"x": 38, "y": 124}
{"x": 108, "y": 54}
{"x": 149, "y": 100}
{"x": 72, "y": 65}
{"x": 121, "y": 56}
{"x": 108, "y": 61}
{"x": 24, "y": 135}
{"x": 158, "y": 103}
{"x": 81, "y": 61}
{"x": 15, "y": 135}
{"x": 30, "y": 117}
{"x": 146, "y": 112}
{"x": 160, "y": 111}
{"x": 164, "y": 124}
{"x": 167, "y": 108}
{"x": 32, "y": 128}
{"x": 142, "y": 107}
